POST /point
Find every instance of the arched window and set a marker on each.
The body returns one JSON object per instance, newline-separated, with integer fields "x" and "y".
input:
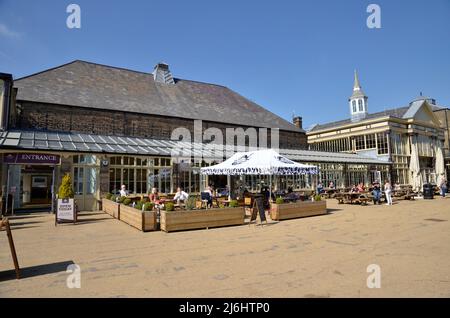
{"x": 354, "y": 106}
{"x": 360, "y": 105}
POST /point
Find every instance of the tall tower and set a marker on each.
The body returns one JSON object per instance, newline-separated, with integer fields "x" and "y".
{"x": 358, "y": 102}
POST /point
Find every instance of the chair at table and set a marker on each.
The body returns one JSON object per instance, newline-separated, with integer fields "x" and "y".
{"x": 206, "y": 199}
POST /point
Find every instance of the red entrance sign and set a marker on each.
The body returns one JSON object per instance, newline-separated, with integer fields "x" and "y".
{"x": 31, "y": 158}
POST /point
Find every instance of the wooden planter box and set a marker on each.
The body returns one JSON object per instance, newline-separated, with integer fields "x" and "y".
{"x": 297, "y": 210}
{"x": 110, "y": 207}
{"x": 144, "y": 221}
{"x": 201, "y": 219}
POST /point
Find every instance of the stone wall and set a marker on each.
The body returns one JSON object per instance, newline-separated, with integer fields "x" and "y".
{"x": 51, "y": 117}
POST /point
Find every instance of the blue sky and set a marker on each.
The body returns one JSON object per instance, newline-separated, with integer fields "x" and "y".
{"x": 288, "y": 56}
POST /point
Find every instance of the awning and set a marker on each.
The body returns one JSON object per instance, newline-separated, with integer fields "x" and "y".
{"x": 261, "y": 162}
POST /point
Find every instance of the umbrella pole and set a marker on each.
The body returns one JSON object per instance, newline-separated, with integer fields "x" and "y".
{"x": 270, "y": 189}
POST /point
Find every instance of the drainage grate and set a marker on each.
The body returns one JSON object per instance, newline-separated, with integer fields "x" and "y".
{"x": 435, "y": 220}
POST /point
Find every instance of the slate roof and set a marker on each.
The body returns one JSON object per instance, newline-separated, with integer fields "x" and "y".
{"x": 91, "y": 85}
{"x": 90, "y": 143}
{"x": 401, "y": 112}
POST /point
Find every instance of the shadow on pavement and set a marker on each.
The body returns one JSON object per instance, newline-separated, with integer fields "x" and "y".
{"x": 33, "y": 271}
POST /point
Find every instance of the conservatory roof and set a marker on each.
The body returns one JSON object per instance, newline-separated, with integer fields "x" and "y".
{"x": 91, "y": 143}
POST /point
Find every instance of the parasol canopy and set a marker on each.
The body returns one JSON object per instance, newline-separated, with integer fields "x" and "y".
{"x": 260, "y": 162}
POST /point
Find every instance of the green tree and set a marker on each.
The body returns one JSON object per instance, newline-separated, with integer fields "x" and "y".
{"x": 66, "y": 190}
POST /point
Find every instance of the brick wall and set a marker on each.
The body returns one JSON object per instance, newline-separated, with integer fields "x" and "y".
{"x": 51, "y": 117}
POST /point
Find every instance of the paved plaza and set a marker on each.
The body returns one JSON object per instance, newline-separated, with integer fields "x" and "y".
{"x": 324, "y": 256}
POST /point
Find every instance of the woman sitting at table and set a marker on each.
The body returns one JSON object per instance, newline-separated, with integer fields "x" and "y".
{"x": 210, "y": 192}
{"x": 361, "y": 187}
{"x": 154, "y": 196}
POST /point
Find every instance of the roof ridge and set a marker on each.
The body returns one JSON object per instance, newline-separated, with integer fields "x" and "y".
{"x": 114, "y": 67}
{"x": 45, "y": 71}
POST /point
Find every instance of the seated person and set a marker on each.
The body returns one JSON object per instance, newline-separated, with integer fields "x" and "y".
{"x": 123, "y": 191}
{"x": 180, "y": 196}
{"x": 291, "y": 195}
{"x": 354, "y": 189}
{"x": 154, "y": 196}
{"x": 331, "y": 185}
{"x": 209, "y": 196}
{"x": 397, "y": 187}
{"x": 361, "y": 187}
{"x": 320, "y": 188}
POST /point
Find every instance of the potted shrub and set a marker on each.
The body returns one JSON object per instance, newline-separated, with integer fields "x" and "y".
{"x": 66, "y": 207}
{"x": 169, "y": 206}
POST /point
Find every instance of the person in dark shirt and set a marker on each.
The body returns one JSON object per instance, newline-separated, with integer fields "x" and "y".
{"x": 376, "y": 192}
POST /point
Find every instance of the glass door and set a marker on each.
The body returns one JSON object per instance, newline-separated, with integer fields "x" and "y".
{"x": 86, "y": 187}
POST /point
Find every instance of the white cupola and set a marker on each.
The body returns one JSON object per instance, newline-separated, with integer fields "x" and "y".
{"x": 358, "y": 102}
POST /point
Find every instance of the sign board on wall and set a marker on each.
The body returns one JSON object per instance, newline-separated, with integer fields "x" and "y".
{"x": 66, "y": 211}
{"x": 31, "y": 158}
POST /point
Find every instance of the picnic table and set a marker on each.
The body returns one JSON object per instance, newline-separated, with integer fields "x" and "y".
{"x": 352, "y": 197}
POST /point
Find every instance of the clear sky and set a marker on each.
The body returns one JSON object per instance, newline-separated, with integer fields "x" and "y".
{"x": 289, "y": 56}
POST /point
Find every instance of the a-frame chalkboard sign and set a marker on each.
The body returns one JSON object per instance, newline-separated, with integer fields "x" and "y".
{"x": 258, "y": 208}
{"x": 5, "y": 223}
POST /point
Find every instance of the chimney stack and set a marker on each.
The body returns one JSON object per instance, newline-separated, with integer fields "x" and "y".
{"x": 298, "y": 122}
{"x": 161, "y": 74}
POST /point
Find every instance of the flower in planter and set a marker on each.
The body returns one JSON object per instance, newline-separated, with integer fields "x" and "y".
{"x": 234, "y": 204}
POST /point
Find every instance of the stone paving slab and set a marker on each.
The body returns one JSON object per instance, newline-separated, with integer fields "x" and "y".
{"x": 322, "y": 256}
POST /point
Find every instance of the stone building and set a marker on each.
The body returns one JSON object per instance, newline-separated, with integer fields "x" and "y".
{"x": 389, "y": 136}
{"x": 108, "y": 126}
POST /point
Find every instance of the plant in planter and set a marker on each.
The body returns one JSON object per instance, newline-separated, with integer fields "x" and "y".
{"x": 317, "y": 198}
{"x": 234, "y": 204}
{"x": 66, "y": 204}
{"x": 190, "y": 203}
{"x": 139, "y": 205}
{"x": 120, "y": 199}
{"x": 148, "y": 206}
{"x": 169, "y": 206}
{"x": 66, "y": 190}
{"x": 108, "y": 196}
{"x": 126, "y": 201}
{"x": 279, "y": 201}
